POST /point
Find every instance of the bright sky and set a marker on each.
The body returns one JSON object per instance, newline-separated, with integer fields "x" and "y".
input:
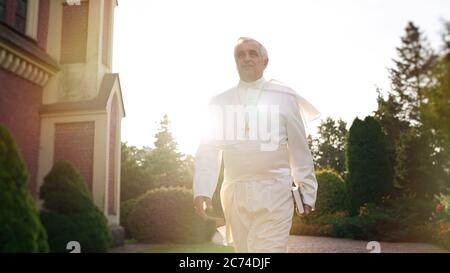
{"x": 173, "y": 56}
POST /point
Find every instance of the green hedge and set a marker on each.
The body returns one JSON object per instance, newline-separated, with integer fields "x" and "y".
{"x": 70, "y": 214}
{"x": 397, "y": 220}
{"x": 20, "y": 227}
{"x": 166, "y": 215}
{"x": 331, "y": 195}
{"x": 125, "y": 211}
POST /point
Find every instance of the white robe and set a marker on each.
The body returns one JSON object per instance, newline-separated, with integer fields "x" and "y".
{"x": 255, "y": 194}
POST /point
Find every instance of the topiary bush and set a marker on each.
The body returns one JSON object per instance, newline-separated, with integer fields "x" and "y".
{"x": 126, "y": 208}
{"x": 20, "y": 227}
{"x": 69, "y": 212}
{"x": 331, "y": 195}
{"x": 166, "y": 215}
{"x": 369, "y": 173}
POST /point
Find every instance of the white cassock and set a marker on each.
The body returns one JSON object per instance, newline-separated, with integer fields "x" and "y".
{"x": 256, "y": 191}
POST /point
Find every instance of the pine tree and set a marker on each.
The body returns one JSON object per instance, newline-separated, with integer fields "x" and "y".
{"x": 387, "y": 114}
{"x": 410, "y": 78}
{"x": 166, "y": 164}
{"x": 412, "y": 73}
{"x": 415, "y": 172}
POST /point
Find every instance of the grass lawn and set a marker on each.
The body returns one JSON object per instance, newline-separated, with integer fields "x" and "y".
{"x": 130, "y": 241}
{"x": 194, "y": 248}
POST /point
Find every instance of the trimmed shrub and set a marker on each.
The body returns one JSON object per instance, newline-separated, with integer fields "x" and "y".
{"x": 369, "y": 174}
{"x": 70, "y": 214}
{"x": 397, "y": 220}
{"x": 166, "y": 215}
{"x": 20, "y": 227}
{"x": 363, "y": 226}
{"x": 125, "y": 210}
{"x": 331, "y": 195}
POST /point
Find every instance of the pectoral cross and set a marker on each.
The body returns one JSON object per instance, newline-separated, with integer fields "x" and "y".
{"x": 247, "y": 129}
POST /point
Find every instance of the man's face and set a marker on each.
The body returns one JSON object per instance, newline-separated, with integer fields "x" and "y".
{"x": 249, "y": 62}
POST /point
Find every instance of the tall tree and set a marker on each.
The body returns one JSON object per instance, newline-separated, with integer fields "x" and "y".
{"x": 410, "y": 78}
{"x": 412, "y": 73}
{"x": 415, "y": 171}
{"x": 436, "y": 110}
{"x": 165, "y": 162}
{"x": 146, "y": 168}
{"x": 388, "y": 115}
{"x": 369, "y": 175}
{"x": 328, "y": 147}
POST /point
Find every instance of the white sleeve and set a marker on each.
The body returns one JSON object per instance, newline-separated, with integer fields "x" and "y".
{"x": 208, "y": 159}
{"x": 300, "y": 158}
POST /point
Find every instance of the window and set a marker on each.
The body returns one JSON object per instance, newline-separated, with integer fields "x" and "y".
{"x": 2, "y": 10}
{"x": 21, "y": 15}
{"x": 32, "y": 21}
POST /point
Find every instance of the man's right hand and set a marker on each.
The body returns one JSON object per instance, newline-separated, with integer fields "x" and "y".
{"x": 201, "y": 203}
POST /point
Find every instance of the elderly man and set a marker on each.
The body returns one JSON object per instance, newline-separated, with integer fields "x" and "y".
{"x": 256, "y": 191}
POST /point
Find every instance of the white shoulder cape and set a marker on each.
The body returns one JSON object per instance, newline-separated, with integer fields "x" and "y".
{"x": 307, "y": 110}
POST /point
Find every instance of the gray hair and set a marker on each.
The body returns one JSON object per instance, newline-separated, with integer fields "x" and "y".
{"x": 262, "y": 49}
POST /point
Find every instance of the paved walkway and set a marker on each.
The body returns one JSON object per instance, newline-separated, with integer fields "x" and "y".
{"x": 310, "y": 244}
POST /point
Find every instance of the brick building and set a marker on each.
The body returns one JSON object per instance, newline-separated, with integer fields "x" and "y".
{"x": 58, "y": 96}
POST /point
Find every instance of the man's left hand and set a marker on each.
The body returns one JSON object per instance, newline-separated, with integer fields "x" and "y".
{"x": 308, "y": 210}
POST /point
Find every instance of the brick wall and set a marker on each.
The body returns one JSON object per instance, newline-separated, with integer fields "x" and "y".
{"x": 74, "y": 141}
{"x": 74, "y": 33}
{"x": 19, "y": 113}
{"x": 43, "y": 23}
{"x": 112, "y": 159}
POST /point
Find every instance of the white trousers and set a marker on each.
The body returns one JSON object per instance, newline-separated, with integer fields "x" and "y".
{"x": 258, "y": 214}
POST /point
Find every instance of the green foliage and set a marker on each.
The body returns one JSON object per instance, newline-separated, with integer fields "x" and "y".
{"x": 412, "y": 73}
{"x": 436, "y": 110}
{"x": 407, "y": 214}
{"x": 328, "y": 148}
{"x": 415, "y": 171}
{"x": 414, "y": 119}
{"x": 387, "y": 114}
{"x": 444, "y": 200}
{"x": 70, "y": 214}
{"x": 331, "y": 195}
{"x": 20, "y": 227}
{"x": 402, "y": 219}
{"x": 369, "y": 176}
{"x": 135, "y": 178}
{"x": 167, "y": 164}
{"x": 125, "y": 211}
{"x": 410, "y": 78}
{"x": 166, "y": 215}
{"x": 146, "y": 169}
